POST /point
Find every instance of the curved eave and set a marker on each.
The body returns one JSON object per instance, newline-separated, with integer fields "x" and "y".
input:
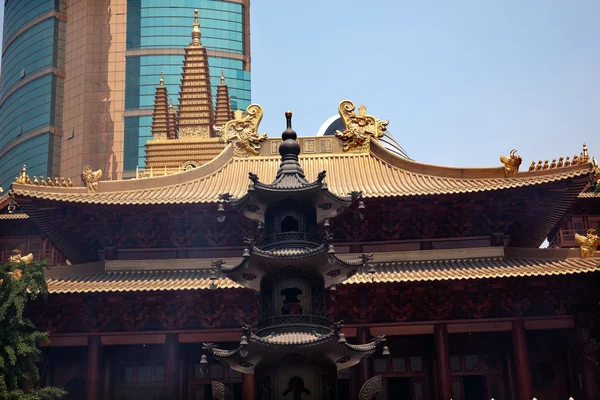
{"x": 320, "y": 348}
{"x": 377, "y": 174}
{"x": 329, "y": 204}
{"x": 313, "y": 262}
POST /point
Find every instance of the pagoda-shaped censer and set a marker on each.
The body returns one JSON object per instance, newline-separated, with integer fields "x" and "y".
{"x": 296, "y": 350}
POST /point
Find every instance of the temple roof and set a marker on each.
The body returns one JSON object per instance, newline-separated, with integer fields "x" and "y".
{"x": 392, "y": 267}
{"x": 378, "y": 173}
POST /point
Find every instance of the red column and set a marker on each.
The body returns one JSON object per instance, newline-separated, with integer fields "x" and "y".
{"x": 442, "y": 361}
{"x": 94, "y": 382}
{"x": 171, "y": 367}
{"x": 521, "y": 359}
{"x": 365, "y": 367}
{"x": 590, "y": 383}
{"x": 247, "y": 387}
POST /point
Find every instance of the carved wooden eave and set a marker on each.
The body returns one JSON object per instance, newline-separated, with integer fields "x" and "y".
{"x": 390, "y": 267}
{"x": 541, "y": 197}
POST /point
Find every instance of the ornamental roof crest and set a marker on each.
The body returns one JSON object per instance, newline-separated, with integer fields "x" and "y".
{"x": 360, "y": 128}
{"x": 588, "y": 243}
{"x": 243, "y": 132}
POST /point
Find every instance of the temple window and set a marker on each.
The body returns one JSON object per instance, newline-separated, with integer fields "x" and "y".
{"x": 289, "y": 224}
{"x": 291, "y": 302}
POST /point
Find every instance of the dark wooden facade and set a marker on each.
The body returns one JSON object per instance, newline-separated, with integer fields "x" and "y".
{"x": 459, "y": 325}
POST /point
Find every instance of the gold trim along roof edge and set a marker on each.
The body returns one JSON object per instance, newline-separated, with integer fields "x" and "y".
{"x": 134, "y": 276}
{"x": 378, "y": 173}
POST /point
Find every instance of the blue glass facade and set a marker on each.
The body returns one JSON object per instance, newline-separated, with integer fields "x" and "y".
{"x": 30, "y": 106}
{"x": 167, "y": 24}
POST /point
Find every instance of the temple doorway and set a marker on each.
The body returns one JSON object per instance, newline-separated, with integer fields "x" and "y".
{"x": 474, "y": 387}
{"x": 399, "y": 388}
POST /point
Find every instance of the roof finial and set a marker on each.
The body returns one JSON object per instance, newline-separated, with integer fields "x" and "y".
{"x": 171, "y": 105}
{"x": 289, "y": 146}
{"x": 222, "y": 77}
{"x": 196, "y": 31}
{"x": 162, "y": 79}
{"x": 289, "y": 133}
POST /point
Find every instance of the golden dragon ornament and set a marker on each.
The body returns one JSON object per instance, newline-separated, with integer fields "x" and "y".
{"x": 511, "y": 163}
{"x": 360, "y": 129}
{"x": 588, "y": 243}
{"x": 243, "y": 132}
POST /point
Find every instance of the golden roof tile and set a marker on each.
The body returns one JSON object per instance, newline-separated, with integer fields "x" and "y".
{"x": 512, "y": 263}
{"x": 378, "y": 173}
{"x": 14, "y": 216}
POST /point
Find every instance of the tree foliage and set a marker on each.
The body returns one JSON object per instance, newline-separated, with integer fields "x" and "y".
{"x": 19, "y": 375}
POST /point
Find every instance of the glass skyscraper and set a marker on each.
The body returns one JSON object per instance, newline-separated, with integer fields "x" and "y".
{"x": 32, "y": 88}
{"x": 78, "y": 81}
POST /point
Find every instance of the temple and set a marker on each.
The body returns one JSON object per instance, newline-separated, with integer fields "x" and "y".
{"x": 312, "y": 267}
{"x": 189, "y": 135}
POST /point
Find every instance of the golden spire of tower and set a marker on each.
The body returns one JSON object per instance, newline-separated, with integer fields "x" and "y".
{"x": 196, "y": 31}
{"x": 171, "y": 121}
{"x": 161, "y": 111}
{"x": 223, "y": 112}
{"x": 195, "y": 114}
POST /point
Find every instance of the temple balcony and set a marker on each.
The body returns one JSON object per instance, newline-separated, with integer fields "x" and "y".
{"x": 565, "y": 238}
{"x": 291, "y": 240}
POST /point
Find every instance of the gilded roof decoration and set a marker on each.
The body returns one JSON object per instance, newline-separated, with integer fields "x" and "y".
{"x": 511, "y": 163}
{"x": 243, "y": 132}
{"x": 24, "y": 179}
{"x": 582, "y": 158}
{"x": 588, "y": 243}
{"x": 19, "y": 258}
{"x": 91, "y": 178}
{"x": 360, "y": 128}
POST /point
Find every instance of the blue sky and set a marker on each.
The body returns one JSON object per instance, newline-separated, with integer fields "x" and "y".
{"x": 461, "y": 81}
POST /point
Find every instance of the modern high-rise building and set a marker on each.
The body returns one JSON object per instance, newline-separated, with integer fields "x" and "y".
{"x": 79, "y": 77}
{"x": 32, "y": 87}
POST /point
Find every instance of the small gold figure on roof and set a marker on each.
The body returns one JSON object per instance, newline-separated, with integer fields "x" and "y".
{"x": 584, "y": 156}
{"x": 360, "y": 128}
{"x": 91, "y": 178}
{"x": 22, "y": 177}
{"x": 545, "y": 165}
{"x": 18, "y": 258}
{"x": 243, "y": 132}
{"x": 50, "y": 182}
{"x": 512, "y": 163}
{"x": 588, "y": 243}
{"x": 70, "y": 183}
{"x": 595, "y": 168}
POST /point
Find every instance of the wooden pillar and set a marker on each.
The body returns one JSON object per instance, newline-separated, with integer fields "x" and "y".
{"x": 442, "y": 361}
{"x": 247, "y": 387}
{"x": 107, "y": 377}
{"x": 172, "y": 367}
{"x": 521, "y": 359}
{"x": 93, "y": 387}
{"x": 365, "y": 367}
{"x": 590, "y": 382}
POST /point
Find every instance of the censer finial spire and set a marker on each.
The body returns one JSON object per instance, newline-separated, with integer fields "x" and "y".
{"x": 196, "y": 31}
